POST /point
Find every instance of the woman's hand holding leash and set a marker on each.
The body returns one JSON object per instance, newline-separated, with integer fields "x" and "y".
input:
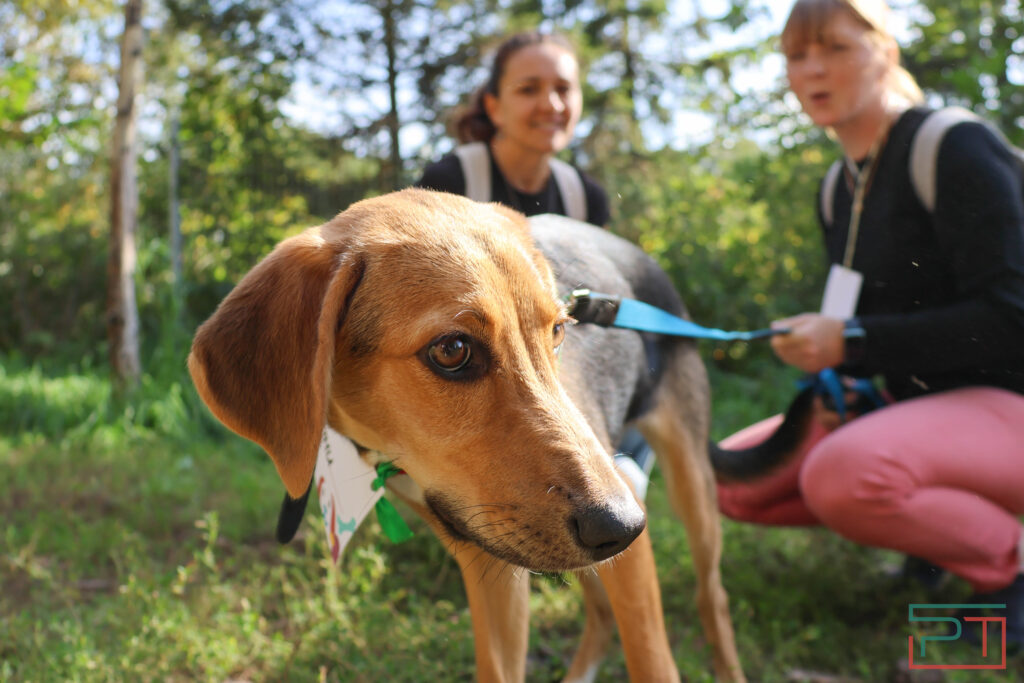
{"x": 814, "y": 341}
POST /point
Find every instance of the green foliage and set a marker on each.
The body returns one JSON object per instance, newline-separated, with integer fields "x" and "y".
{"x": 52, "y": 251}
{"x": 52, "y": 174}
{"x": 16, "y": 85}
{"x": 972, "y": 53}
{"x": 248, "y": 177}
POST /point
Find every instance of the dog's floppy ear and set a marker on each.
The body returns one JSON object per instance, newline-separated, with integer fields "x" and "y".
{"x": 263, "y": 361}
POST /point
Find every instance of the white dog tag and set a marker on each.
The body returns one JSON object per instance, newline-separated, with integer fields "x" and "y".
{"x": 842, "y": 290}
{"x": 343, "y": 486}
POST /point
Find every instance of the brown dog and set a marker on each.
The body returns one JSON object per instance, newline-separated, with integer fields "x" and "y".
{"x": 427, "y": 329}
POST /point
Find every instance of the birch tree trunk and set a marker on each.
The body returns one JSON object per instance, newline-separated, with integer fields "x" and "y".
{"x": 173, "y": 215}
{"x": 122, "y": 311}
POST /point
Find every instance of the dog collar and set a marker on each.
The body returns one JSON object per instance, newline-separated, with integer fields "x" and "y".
{"x": 391, "y": 522}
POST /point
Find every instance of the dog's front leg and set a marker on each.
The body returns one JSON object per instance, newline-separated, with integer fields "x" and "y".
{"x": 631, "y": 581}
{"x": 690, "y": 482}
{"x": 499, "y": 606}
{"x": 598, "y": 629}
{"x": 499, "y": 603}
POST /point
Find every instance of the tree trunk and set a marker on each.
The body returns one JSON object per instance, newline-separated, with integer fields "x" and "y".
{"x": 173, "y": 216}
{"x": 390, "y": 44}
{"x": 122, "y": 312}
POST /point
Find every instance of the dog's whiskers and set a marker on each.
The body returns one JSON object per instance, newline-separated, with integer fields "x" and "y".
{"x": 474, "y": 516}
{"x": 494, "y": 523}
{"x": 484, "y": 505}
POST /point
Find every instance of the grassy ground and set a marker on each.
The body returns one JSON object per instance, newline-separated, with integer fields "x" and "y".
{"x": 138, "y": 546}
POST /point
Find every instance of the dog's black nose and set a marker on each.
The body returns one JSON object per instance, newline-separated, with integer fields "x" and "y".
{"x": 608, "y": 529}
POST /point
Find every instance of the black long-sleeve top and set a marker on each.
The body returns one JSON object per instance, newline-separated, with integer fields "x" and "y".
{"x": 942, "y": 301}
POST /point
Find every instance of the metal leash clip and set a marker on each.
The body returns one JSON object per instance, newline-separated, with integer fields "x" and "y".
{"x": 590, "y": 307}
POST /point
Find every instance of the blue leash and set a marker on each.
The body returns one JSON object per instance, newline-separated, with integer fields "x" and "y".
{"x": 612, "y": 311}
{"x": 827, "y": 383}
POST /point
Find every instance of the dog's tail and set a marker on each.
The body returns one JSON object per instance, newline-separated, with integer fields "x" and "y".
{"x": 780, "y": 447}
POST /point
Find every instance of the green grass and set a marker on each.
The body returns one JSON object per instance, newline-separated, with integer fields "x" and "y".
{"x": 138, "y": 545}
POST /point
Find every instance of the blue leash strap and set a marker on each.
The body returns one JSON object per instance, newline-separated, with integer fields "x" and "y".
{"x": 612, "y": 311}
{"x": 828, "y": 383}
{"x": 607, "y": 310}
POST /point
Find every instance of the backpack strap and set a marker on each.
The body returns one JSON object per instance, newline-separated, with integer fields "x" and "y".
{"x": 828, "y": 191}
{"x": 476, "y": 169}
{"x": 570, "y": 186}
{"x": 924, "y": 150}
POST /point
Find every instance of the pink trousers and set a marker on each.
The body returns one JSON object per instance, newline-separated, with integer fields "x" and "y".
{"x": 940, "y": 477}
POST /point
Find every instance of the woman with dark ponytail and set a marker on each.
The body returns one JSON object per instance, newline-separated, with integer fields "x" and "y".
{"x": 512, "y": 128}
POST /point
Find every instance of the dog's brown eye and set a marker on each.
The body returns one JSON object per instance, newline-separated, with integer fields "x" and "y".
{"x": 451, "y": 353}
{"x": 558, "y": 334}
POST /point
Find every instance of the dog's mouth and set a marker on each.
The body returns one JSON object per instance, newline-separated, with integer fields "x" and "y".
{"x": 496, "y": 528}
{"x": 442, "y": 509}
{"x": 538, "y": 540}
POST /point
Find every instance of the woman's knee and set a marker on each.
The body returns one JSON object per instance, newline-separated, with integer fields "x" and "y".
{"x": 845, "y": 480}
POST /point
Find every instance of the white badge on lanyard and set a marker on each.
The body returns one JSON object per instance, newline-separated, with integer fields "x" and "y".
{"x": 842, "y": 291}
{"x": 344, "y": 488}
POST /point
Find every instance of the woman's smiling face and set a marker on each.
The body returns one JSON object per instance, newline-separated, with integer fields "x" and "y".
{"x": 539, "y": 100}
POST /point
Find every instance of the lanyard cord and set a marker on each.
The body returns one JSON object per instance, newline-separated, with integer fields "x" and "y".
{"x": 862, "y": 177}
